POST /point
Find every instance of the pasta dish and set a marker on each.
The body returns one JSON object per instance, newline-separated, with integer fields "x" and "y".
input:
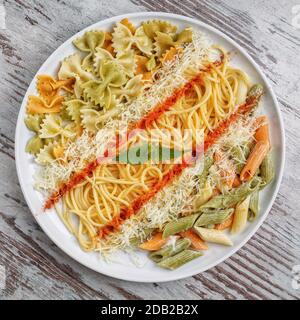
{"x": 147, "y": 138}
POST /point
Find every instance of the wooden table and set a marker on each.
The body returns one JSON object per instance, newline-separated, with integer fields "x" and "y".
{"x": 35, "y": 267}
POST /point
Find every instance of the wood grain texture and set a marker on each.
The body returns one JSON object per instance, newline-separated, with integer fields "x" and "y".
{"x": 35, "y": 267}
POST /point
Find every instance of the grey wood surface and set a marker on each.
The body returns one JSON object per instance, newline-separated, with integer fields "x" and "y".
{"x": 35, "y": 268}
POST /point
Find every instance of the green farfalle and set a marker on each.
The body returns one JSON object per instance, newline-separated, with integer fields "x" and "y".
{"x": 90, "y": 40}
{"x": 131, "y": 90}
{"x": 152, "y": 26}
{"x": 123, "y": 40}
{"x": 93, "y": 120}
{"x": 88, "y": 43}
{"x": 34, "y": 145}
{"x": 99, "y": 91}
{"x": 164, "y": 41}
{"x": 74, "y": 107}
{"x": 126, "y": 60}
{"x": 33, "y": 122}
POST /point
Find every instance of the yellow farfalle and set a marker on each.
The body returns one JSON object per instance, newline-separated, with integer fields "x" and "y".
{"x": 123, "y": 40}
{"x": 53, "y": 127}
{"x": 71, "y": 68}
{"x": 45, "y": 154}
{"x": 37, "y": 105}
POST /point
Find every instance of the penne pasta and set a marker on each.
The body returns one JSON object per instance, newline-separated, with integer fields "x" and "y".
{"x": 253, "y": 206}
{"x": 213, "y": 217}
{"x": 240, "y": 216}
{"x": 262, "y": 133}
{"x": 155, "y": 243}
{"x": 181, "y": 224}
{"x": 196, "y": 242}
{"x": 179, "y": 259}
{"x": 254, "y": 160}
{"x": 225, "y": 224}
{"x": 170, "y": 250}
{"x": 234, "y": 196}
{"x": 203, "y": 196}
{"x": 267, "y": 171}
{"x": 212, "y": 235}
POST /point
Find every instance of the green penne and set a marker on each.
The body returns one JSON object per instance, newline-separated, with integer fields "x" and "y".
{"x": 234, "y": 196}
{"x": 213, "y": 217}
{"x": 267, "y": 171}
{"x": 253, "y": 206}
{"x": 255, "y": 92}
{"x": 240, "y": 155}
{"x": 181, "y": 224}
{"x": 170, "y": 250}
{"x": 179, "y": 259}
{"x": 208, "y": 161}
{"x": 135, "y": 241}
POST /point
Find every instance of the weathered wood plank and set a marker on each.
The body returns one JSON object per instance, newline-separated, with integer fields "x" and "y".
{"x": 35, "y": 267}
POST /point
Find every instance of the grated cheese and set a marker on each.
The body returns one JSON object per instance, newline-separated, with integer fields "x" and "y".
{"x": 172, "y": 75}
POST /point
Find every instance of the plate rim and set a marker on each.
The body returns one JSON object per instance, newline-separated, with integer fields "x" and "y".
{"x": 171, "y": 277}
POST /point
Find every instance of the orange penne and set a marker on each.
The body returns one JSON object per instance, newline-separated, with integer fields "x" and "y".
{"x": 226, "y": 224}
{"x": 227, "y": 175}
{"x": 155, "y": 243}
{"x": 236, "y": 182}
{"x": 196, "y": 242}
{"x": 262, "y": 133}
{"x": 216, "y": 192}
{"x": 254, "y": 160}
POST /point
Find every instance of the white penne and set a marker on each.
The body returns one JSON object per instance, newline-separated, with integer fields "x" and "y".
{"x": 203, "y": 196}
{"x": 240, "y": 216}
{"x": 212, "y": 235}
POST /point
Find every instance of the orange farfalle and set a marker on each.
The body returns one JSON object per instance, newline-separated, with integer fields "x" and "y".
{"x": 48, "y": 87}
{"x": 141, "y": 67}
{"x": 125, "y": 22}
{"x": 38, "y": 105}
{"x": 108, "y": 43}
{"x": 170, "y": 54}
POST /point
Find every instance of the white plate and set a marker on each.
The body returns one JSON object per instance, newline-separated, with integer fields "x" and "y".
{"x": 126, "y": 270}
